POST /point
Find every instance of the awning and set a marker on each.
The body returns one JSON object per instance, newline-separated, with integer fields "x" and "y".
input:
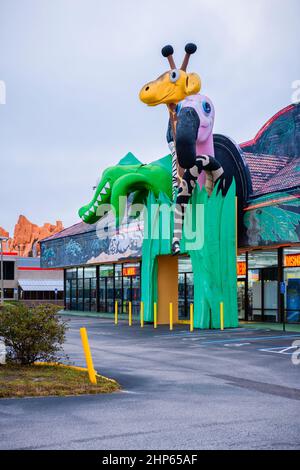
{"x": 41, "y": 285}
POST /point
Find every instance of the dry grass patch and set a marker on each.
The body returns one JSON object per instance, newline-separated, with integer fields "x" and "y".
{"x": 41, "y": 381}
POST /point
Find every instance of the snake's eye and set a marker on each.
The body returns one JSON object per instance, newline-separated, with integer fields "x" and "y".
{"x": 174, "y": 75}
{"x": 206, "y": 107}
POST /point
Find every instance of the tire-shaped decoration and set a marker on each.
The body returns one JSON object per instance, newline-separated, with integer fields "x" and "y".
{"x": 230, "y": 156}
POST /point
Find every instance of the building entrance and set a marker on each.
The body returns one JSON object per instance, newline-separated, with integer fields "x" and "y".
{"x": 185, "y": 288}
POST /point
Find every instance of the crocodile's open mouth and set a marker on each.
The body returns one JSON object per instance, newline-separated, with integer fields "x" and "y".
{"x": 91, "y": 211}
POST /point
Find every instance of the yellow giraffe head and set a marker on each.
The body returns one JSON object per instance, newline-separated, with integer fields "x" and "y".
{"x": 175, "y": 85}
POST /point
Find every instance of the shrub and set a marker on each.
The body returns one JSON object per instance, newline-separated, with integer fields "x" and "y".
{"x": 32, "y": 334}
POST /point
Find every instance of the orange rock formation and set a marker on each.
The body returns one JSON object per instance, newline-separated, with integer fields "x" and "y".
{"x": 28, "y": 235}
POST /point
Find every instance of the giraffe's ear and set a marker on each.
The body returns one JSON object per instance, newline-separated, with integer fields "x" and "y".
{"x": 192, "y": 84}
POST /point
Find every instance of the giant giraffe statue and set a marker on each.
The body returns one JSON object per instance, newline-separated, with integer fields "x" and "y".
{"x": 190, "y": 132}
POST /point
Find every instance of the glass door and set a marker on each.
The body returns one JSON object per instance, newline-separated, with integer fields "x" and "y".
{"x": 189, "y": 282}
{"x": 93, "y": 295}
{"x": 292, "y": 295}
{"x": 185, "y": 288}
{"x": 136, "y": 295}
{"x": 68, "y": 294}
{"x": 87, "y": 294}
{"x": 270, "y": 292}
{"x": 241, "y": 299}
{"x": 185, "y": 295}
{"x": 181, "y": 297}
{"x": 255, "y": 295}
{"x": 118, "y": 292}
{"x": 102, "y": 294}
{"x": 73, "y": 294}
{"x": 80, "y": 294}
{"x": 110, "y": 295}
{"x": 126, "y": 292}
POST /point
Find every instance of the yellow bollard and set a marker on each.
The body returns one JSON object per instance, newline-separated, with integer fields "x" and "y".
{"x": 130, "y": 314}
{"x": 222, "y": 315}
{"x": 142, "y": 314}
{"x": 171, "y": 316}
{"x": 88, "y": 356}
{"x": 116, "y": 312}
{"x": 155, "y": 314}
{"x": 191, "y": 318}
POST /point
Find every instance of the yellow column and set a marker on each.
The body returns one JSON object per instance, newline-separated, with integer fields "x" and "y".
{"x": 88, "y": 356}
{"x": 222, "y": 315}
{"x": 116, "y": 312}
{"x": 171, "y": 316}
{"x": 191, "y": 318}
{"x": 155, "y": 314}
{"x": 142, "y": 314}
{"x": 130, "y": 314}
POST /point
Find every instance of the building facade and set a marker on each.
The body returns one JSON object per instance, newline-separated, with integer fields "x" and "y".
{"x": 26, "y": 281}
{"x": 101, "y": 269}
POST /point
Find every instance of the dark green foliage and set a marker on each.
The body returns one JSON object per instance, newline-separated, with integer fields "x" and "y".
{"x": 32, "y": 334}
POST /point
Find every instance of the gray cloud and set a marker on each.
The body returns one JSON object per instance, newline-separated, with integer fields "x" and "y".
{"x": 73, "y": 69}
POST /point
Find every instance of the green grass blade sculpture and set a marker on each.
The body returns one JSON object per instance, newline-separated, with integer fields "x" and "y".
{"x": 210, "y": 240}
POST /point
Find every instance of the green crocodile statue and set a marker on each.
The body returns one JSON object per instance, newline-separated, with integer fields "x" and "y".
{"x": 129, "y": 176}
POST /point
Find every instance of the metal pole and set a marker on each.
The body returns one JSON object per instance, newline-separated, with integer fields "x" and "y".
{"x": 88, "y": 356}
{"x": 116, "y": 312}
{"x": 142, "y": 314}
{"x": 2, "y": 275}
{"x": 191, "y": 318}
{"x": 171, "y": 316}
{"x": 130, "y": 314}
{"x": 222, "y": 316}
{"x": 155, "y": 315}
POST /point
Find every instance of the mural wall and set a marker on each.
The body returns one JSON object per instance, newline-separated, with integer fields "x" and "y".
{"x": 272, "y": 221}
{"x": 100, "y": 244}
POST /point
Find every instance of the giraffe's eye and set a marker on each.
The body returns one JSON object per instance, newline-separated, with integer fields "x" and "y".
{"x": 206, "y": 107}
{"x": 174, "y": 75}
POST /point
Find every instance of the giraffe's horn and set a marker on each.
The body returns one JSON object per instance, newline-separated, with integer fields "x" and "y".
{"x": 168, "y": 52}
{"x": 189, "y": 50}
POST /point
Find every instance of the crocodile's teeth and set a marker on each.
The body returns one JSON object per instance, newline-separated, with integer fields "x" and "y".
{"x": 105, "y": 188}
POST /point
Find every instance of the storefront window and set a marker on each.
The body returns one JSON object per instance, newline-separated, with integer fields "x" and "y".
{"x": 263, "y": 285}
{"x": 241, "y": 266}
{"x": 106, "y": 270}
{"x": 291, "y": 259}
{"x": 81, "y": 289}
{"x": 119, "y": 283}
{"x": 131, "y": 286}
{"x": 80, "y": 295}
{"x": 71, "y": 273}
{"x": 241, "y": 286}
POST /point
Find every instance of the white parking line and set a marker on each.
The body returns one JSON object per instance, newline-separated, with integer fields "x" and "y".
{"x": 280, "y": 350}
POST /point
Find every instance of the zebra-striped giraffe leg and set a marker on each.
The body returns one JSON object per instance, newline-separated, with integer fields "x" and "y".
{"x": 174, "y": 168}
{"x": 187, "y": 185}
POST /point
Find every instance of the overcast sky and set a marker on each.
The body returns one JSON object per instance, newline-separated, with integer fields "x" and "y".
{"x": 73, "y": 70}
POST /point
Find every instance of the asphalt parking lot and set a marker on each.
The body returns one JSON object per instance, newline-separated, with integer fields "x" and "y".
{"x": 236, "y": 389}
